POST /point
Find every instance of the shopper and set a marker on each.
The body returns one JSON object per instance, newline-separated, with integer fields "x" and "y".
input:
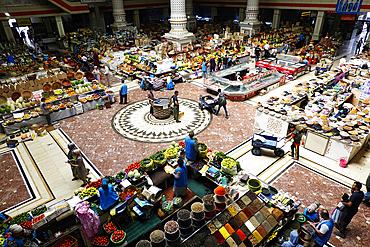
{"x": 212, "y": 64}
{"x": 45, "y": 110}
{"x": 191, "y": 149}
{"x": 343, "y": 61}
{"x": 324, "y": 229}
{"x": 221, "y": 98}
{"x": 71, "y": 160}
{"x": 151, "y": 100}
{"x": 123, "y": 93}
{"x": 224, "y": 62}
{"x": 96, "y": 73}
{"x": 296, "y": 136}
{"x": 293, "y": 240}
{"x": 367, "y": 194}
{"x": 311, "y": 212}
{"x": 106, "y": 74}
{"x": 79, "y": 164}
{"x": 266, "y": 47}
{"x": 176, "y": 106}
{"x": 181, "y": 179}
{"x": 358, "y": 46}
{"x": 351, "y": 208}
{"x": 257, "y": 53}
{"x": 204, "y": 69}
{"x": 337, "y": 212}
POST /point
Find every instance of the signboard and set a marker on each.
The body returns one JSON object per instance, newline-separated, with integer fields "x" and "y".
{"x": 24, "y": 22}
{"x": 348, "y": 6}
{"x": 97, "y": 1}
{"x": 348, "y": 17}
{"x": 365, "y": 93}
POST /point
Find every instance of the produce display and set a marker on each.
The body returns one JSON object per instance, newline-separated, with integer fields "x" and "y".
{"x": 134, "y": 174}
{"x": 88, "y": 192}
{"x": 132, "y": 167}
{"x": 38, "y": 211}
{"x": 120, "y": 176}
{"x": 118, "y": 236}
{"x": 26, "y": 225}
{"x": 146, "y": 164}
{"x": 96, "y": 184}
{"x": 171, "y": 153}
{"x": 67, "y": 242}
{"x": 100, "y": 240}
{"x": 37, "y": 219}
{"x": 2, "y": 240}
{"x": 109, "y": 227}
{"x": 3, "y": 227}
{"x": 20, "y": 218}
{"x": 19, "y": 104}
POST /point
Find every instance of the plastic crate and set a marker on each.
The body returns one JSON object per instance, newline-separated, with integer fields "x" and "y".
{"x": 67, "y": 237}
{"x": 12, "y": 143}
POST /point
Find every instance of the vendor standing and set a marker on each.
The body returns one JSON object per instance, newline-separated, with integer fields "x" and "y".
{"x": 181, "y": 179}
{"x": 151, "y": 100}
{"x": 20, "y": 237}
{"x": 191, "y": 148}
{"x": 296, "y": 136}
{"x": 176, "y": 106}
{"x": 108, "y": 196}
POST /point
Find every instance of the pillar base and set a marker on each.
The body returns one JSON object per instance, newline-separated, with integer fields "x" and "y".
{"x": 315, "y": 37}
{"x": 121, "y": 26}
{"x": 250, "y": 27}
{"x": 180, "y": 40}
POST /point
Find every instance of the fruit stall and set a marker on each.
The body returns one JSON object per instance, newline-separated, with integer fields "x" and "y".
{"x": 255, "y": 81}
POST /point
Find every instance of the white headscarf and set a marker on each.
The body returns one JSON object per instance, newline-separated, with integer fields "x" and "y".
{"x": 15, "y": 229}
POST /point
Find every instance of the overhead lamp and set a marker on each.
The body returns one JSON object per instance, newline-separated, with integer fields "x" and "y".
{"x": 7, "y": 14}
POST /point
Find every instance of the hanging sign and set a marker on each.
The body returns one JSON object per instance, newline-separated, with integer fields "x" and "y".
{"x": 348, "y": 6}
{"x": 24, "y": 22}
{"x": 347, "y": 17}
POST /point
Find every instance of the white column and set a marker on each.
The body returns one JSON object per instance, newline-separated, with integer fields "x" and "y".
{"x": 119, "y": 15}
{"x": 59, "y": 21}
{"x": 276, "y": 18}
{"x": 178, "y": 17}
{"x": 241, "y": 14}
{"x": 8, "y": 31}
{"x": 213, "y": 13}
{"x": 137, "y": 18}
{"x": 251, "y": 23}
{"x": 318, "y": 25}
{"x": 192, "y": 20}
{"x": 165, "y": 16}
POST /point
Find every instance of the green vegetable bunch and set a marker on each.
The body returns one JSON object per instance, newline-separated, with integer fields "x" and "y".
{"x": 39, "y": 211}
{"x": 20, "y": 218}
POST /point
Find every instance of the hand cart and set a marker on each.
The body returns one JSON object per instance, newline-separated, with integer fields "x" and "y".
{"x": 208, "y": 102}
{"x": 267, "y": 142}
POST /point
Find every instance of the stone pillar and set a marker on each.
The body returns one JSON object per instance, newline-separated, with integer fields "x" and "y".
{"x": 137, "y": 18}
{"x": 318, "y": 25}
{"x": 276, "y": 18}
{"x": 213, "y": 13}
{"x": 8, "y": 31}
{"x": 251, "y": 23}
{"x": 47, "y": 24}
{"x": 165, "y": 16}
{"x": 178, "y": 33}
{"x": 59, "y": 21}
{"x": 241, "y": 14}
{"x": 119, "y": 15}
{"x": 192, "y": 20}
{"x": 97, "y": 18}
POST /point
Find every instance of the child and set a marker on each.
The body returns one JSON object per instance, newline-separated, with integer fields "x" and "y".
{"x": 337, "y": 212}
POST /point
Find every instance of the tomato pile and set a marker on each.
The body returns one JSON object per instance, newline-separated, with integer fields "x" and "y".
{"x": 132, "y": 167}
{"x": 109, "y": 227}
{"x": 67, "y": 242}
{"x": 118, "y": 236}
{"x": 26, "y": 225}
{"x": 96, "y": 184}
{"x": 102, "y": 240}
{"x": 182, "y": 144}
{"x": 38, "y": 219}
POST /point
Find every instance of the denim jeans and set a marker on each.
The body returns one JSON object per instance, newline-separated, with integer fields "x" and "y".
{"x": 219, "y": 107}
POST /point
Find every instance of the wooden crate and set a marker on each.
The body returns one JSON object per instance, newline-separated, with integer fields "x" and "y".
{"x": 67, "y": 237}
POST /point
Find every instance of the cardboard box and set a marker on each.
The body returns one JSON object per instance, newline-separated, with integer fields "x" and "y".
{"x": 12, "y": 143}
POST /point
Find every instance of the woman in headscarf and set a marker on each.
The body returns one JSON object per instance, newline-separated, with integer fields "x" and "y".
{"x": 80, "y": 167}
{"x": 293, "y": 240}
{"x": 20, "y": 237}
{"x": 108, "y": 196}
{"x": 71, "y": 160}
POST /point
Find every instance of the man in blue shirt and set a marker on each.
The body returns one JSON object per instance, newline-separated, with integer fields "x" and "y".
{"x": 123, "y": 92}
{"x": 323, "y": 229}
{"x": 204, "y": 69}
{"x": 176, "y": 106}
{"x": 191, "y": 151}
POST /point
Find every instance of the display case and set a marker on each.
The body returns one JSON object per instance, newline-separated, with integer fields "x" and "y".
{"x": 253, "y": 81}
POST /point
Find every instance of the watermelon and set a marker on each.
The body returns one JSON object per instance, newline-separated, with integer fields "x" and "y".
{"x": 7, "y": 109}
{"x": 2, "y": 110}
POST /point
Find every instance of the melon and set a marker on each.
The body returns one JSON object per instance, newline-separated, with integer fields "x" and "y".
{"x": 137, "y": 175}
{"x": 7, "y": 109}
{"x": 2, "y": 110}
{"x": 131, "y": 174}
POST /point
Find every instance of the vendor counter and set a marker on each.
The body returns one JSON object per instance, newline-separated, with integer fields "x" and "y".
{"x": 55, "y": 116}
{"x": 332, "y": 147}
{"x": 161, "y": 108}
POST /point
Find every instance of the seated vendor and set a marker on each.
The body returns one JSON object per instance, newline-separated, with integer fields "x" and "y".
{"x": 311, "y": 213}
{"x": 108, "y": 196}
{"x": 191, "y": 149}
{"x": 20, "y": 237}
{"x": 293, "y": 240}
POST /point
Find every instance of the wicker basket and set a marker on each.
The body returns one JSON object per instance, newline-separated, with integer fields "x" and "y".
{"x": 27, "y": 94}
{"x": 46, "y": 87}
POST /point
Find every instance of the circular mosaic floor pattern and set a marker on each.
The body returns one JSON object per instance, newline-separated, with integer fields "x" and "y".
{"x": 134, "y": 122}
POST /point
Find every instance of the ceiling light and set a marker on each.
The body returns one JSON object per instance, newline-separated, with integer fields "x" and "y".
{"x": 7, "y": 14}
